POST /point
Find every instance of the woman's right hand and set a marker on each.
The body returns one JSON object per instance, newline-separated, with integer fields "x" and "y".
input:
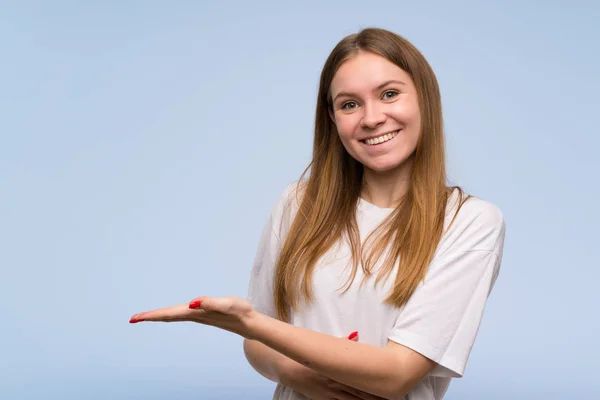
{"x": 319, "y": 387}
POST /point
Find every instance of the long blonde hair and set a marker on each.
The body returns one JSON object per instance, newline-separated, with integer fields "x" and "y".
{"x": 330, "y": 195}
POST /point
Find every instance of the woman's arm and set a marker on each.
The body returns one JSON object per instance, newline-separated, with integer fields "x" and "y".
{"x": 266, "y": 361}
{"x": 440, "y": 322}
{"x": 281, "y": 369}
{"x": 389, "y": 372}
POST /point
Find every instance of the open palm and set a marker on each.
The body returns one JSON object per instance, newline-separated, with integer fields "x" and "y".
{"x": 228, "y": 313}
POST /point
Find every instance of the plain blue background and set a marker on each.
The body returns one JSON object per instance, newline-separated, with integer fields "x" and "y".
{"x": 143, "y": 143}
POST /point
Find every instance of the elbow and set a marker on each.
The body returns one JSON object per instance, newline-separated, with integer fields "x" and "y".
{"x": 404, "y": 385}
{"x": 408, "y": 370}
{"x": 399, "y": 385}
{"x": 247, "y": 348}
{"x": 263, "y": 360}
{"x": 248, "y": 351}
{"x": 396, "y": 392}
{"x": 399, "y": 394}
{"x": 390, "y": 387}
{"x": 252, "y": 356}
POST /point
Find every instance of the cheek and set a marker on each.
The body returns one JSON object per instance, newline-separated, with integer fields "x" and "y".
{"x": 417, "y": 129}
{"x": 347, "y": 127}
{"x": 406, "y": 112}
{"x": 346, "y": 133}
{"x": 343, "y": 129}
{"x": 411, "y": 119}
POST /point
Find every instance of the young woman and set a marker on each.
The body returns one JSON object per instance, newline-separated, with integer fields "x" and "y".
{"x": 373, "y": 242}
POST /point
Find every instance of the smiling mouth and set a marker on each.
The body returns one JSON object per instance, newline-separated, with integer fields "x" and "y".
{"x": 381, "y": 139}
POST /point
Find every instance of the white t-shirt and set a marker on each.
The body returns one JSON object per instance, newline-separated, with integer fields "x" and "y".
{"x": 440, "y": 320}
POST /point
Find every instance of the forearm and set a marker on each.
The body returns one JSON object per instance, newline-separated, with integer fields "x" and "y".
{"x": 368, "y": 368}
{"x": 282, "y": 369}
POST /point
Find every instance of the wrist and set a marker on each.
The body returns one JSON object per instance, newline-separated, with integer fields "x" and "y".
{"x": 252, "y": 322}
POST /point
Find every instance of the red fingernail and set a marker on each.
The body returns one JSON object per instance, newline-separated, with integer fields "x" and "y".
{"x": 195, "y": 304}
{"x": 353, "y": 335}
{"x": 134, "y": 320}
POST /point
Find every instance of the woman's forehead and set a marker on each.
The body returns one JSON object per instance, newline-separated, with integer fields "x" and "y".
{"x": 366, "y": 71}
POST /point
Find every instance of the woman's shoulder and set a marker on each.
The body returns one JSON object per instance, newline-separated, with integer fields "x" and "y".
{"x": 286, "y": 207}
{"x": 290, "y": 196}
{"x": 467, "y": 209}
{"x": 472, "y": 223}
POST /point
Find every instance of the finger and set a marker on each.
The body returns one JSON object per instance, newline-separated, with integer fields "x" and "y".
{"x": 339, "y": 388}
{"x": 199, "y": 303}
{"x": 353, "y": 337}
{"x": 168, "y": 314}
{"x": 355, "y": 393}
{"x": 341, "y": 395}
{"x": 360, "y": 394}
{"x": 216, "y": 304}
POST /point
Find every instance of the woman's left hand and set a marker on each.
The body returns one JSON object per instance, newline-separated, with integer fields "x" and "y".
{"x": 229, "y": 313}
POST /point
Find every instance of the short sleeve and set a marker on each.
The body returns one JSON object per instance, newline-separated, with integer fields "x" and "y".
{"x": 260, "y": 287}
{"x": 442, "y": 317}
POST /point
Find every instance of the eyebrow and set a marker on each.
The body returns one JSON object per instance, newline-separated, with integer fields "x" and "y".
{"x": 384, "y": 84}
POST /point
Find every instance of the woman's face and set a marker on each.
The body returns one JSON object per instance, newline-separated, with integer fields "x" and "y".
{"x": 376, "y": 112}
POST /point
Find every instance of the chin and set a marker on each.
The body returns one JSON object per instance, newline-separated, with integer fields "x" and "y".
{"x": 387, "y": 165}
{"x": 382, "y": 167}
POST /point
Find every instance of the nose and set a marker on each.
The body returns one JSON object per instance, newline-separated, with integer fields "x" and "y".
{"x": 373, "y": 116}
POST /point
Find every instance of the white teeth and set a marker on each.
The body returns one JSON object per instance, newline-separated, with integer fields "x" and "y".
{"x": 381, "y": 139}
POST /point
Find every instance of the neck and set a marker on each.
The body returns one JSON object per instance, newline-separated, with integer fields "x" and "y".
{"x": 386, "y": 189}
